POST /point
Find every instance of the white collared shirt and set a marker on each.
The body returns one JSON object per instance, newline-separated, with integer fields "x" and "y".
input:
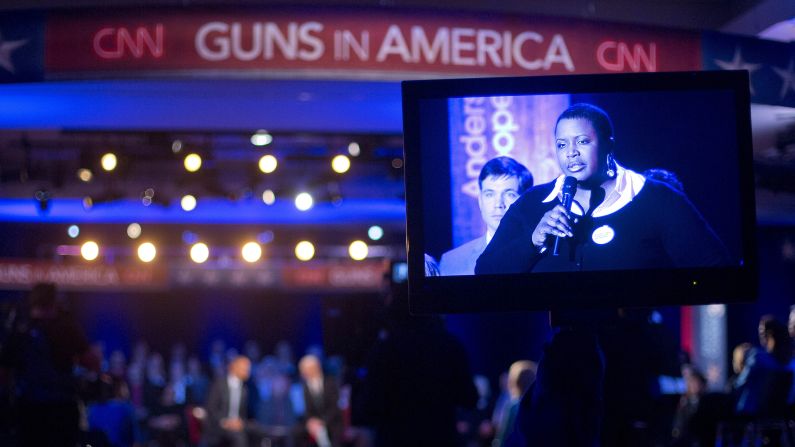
{"x": 315, "y": 386}
{"x": 628, "y": 185}
{"x": 235, "y": 393}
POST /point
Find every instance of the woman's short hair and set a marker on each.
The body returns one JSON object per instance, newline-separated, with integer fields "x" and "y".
{"x": 595, "y": 115}
{"x": 507, "y": 167}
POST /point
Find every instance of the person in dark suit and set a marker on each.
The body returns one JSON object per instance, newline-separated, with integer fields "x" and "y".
{"x": 43, "y": 350}
{"x": 227, "y": 406}
{"x": 502, "y": 181}
{"x": 322, "y": 421}
{"x": 418, "y": 378}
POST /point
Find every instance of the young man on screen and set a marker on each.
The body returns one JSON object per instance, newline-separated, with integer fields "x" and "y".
{"x": 502, "y": 181}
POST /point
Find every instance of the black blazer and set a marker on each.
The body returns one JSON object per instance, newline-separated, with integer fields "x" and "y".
{"x": 218, "y": 406}
{"x": 328, "y": 410}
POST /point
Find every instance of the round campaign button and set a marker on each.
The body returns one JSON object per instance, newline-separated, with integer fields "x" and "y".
{"x": 603, "y": 235}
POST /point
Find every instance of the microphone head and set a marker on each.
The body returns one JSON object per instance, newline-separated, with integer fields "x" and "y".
{"x": 569, "y": 185}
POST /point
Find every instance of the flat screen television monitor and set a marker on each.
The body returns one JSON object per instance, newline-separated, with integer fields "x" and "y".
{"x": 655, "y": 168}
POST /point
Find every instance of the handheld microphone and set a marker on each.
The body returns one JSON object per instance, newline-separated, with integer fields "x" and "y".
{"x": 569, "y": 189}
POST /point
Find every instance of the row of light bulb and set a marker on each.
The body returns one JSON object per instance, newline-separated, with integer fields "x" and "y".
{"x": 303, "y": 201}
{"x": 193, "y": 162}
{"x": 268, "y": 163}
{"x": 250, "y": 252}
{"x": 134, "y": 231}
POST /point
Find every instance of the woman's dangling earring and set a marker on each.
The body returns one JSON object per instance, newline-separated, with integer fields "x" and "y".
{"x": 611, "y": 166}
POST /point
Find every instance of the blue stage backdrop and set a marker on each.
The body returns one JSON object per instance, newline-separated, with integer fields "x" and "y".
{"x": 521, "y": 127}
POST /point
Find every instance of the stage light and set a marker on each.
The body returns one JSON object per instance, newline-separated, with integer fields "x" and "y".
{"x": 89, "y": 250}
{"x": 358, "y": 250}
{"x": 304, "y": 251}
{"x": 303, "y": 201}
{"x": 134, "y": 230}
{"x": 188, "y": 202}
{"x": 375, "y": 232}
{"x": 199, "y": 252}
{"x": 353, "y": 149}
{"x": 251, "y": 252}
{"x": 193, "y": 162}
{"x": 85, "y": 175}
{"x": 397, "y": 163}
{"x": 88, "y": 203}
{"x": 268, "y": 163}
{"x": 176, "y": 146}
{"x": 108, "y": 161}
{"x": 261, "y": 138}
{"x": 340, "y": 164}
{"x": 268, "y": 197}
{"x": 147, "y": 252}
{"x": 73, "y": 231}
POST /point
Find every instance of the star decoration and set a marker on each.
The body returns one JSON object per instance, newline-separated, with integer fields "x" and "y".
{"x": 737, "y": 63}
{"x": 787, "y": 78}
{"x": 5, "y": 52}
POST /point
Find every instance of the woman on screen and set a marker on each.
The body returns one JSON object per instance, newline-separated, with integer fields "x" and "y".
{"x": 619, "y": 219}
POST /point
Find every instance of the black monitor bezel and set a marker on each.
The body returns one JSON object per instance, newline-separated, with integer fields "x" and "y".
{"x": 589, "y": 289}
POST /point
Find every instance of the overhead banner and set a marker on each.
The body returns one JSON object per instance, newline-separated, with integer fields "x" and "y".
{"x": 361, "y": 276}
{"x": 342, "y": 43}
{"x": 24, "y": 274}
{"x": 771, "y": 65}
{"x": 318, "y": 275}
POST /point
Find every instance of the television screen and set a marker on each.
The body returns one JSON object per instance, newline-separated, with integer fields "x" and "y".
{"x": 579, "y": 191}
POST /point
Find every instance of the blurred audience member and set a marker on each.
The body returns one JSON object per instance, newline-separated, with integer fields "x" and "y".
{"x": 135, "y": 380}
{"x": 418, "y": 376}
{"x": 474, "y": 425}
{"x": 178, "y": 380}
{"x": 521, "y": 376}
{"x": 154, "y": 381}
{"x": 113, "y": 414}
{"x": 198, "y": 384}
{"x": 791, "y": 330}
{"x": 167, "y": 423}
{"x": 322, "y": 420}
{"x": 568, "y": 393}
{"x": 739, "y": 358}
{"x": 503, "y": 400}
{"x": 217, "y": 359}
{"x": 275, "y": 409}
{"x": 98, "y": 347}
{"x": 683, "y": 430}
{"x": 227, "y": 406}
{"x": 284, "y": 355}
{"x": 178, "y": 353}
{"x": 117, "y": 365}
{"x": 764, "y": 383}
{"x": 252, "y": 351}
{"x": 43, "y": 352}
{"x": 791, "y": 322}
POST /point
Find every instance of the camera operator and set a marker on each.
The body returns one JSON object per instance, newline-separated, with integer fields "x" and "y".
{"x": 43, "y": 351}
